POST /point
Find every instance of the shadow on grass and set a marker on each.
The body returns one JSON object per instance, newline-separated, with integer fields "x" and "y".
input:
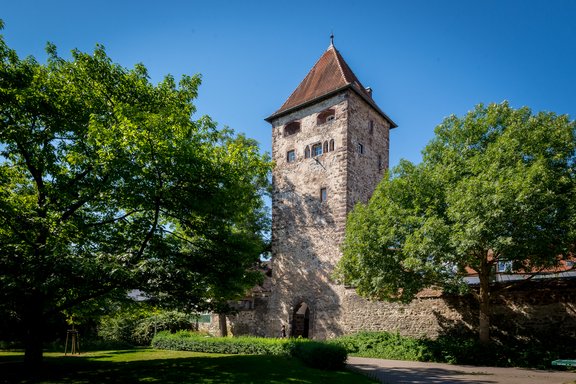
{"x": 181, "y": 370}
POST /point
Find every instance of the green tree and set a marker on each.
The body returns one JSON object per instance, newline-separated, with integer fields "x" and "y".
{"x": 496, "y": 185}
{"x": 108, "y": 184}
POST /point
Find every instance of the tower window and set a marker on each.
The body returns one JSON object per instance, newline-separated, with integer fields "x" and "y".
{"x": 325, "y": 116}
{"x": 307, "y": 152}
{"x": 323, "y": 195}
{"x": 317, "y": 149}
{"x": 292, "y": 128}
{"x": 291, "y": 156}
{"x": 325, "y": 147}
{"x": 371, "y": 127}
{"x": 380, "y": 163}
{"x": 360, "y": 148}
{"x": 331, "y": 145}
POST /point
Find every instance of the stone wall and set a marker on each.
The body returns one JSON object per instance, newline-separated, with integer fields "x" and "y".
{"x": 540, "y": 310}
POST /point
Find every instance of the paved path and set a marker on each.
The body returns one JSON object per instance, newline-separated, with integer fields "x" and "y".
{"x": 413, "y": 372}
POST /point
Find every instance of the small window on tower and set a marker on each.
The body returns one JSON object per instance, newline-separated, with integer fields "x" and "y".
{"x": 371, "y": 127}
{"x": 316, "y": 149}
{"x": 291, "y": 156}
{"x": 380, "y": 163}
{"x": 331, "y": 145}
{"x": 325, "y": 146}
{"x": 307, "y": 152}
{"x": 323, "y": 195}
{"x": 360, "y": 148}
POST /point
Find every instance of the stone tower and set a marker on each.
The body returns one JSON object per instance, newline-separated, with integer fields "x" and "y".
{"x": 330, "y": 148}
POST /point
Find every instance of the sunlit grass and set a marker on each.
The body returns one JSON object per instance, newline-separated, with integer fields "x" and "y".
{"x": 161, "y": 366}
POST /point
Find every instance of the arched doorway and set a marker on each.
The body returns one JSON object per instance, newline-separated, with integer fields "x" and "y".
{"x": 301, "y": 321}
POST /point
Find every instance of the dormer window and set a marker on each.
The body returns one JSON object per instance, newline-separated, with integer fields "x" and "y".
{"x": 292, "y": 128}
{"x": 326, "y": 116}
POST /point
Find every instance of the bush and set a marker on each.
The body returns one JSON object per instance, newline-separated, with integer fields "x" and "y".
{"x": 511, "y": 353}
{"x": 138, "y": 326}
{"x": 502, "y": 352}
{"x": 384, "y": 345}
{"x": 315, "y": 354}
{"x": 192, "y": 341}
{"x": 326, "y": 355}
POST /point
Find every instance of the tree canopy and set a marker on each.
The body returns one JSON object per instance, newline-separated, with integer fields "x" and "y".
{"x": 107, "y": 184}
{"x": 496, "y": 185}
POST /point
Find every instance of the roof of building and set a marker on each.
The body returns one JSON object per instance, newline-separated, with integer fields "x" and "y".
{"x": 330, "y": 75}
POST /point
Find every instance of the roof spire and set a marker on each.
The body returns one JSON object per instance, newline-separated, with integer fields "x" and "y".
{"x": 331, "y": 39}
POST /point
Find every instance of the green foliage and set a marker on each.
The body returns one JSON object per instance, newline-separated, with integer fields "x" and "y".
{"x": 190, "y": 341}
{"x": 495, "y": 185}
{"x": 315, "y": 354}
{"x": 512, "y": 353}
{"x": 320, "y": 355}
{"x": 506, "y": 352}
{"x": 384, "y": 345}
{"x": 138, "y": 323}
{"x": 107, "y": 184}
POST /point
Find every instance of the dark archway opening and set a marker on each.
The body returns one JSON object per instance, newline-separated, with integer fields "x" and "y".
{"x": 301, "y": 321}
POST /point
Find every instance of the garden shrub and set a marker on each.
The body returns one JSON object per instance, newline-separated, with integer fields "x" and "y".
{"x": 459, "y": 349}
{"x": 321, "y": 355}
{"x": 192, "y": 341}
{"x": 138, "y": 326}
{"x": 332, "y": 354}
{"x": 499, "y": 353}
{"x": 315, "y": 354}
{"x": 384, "y": 345}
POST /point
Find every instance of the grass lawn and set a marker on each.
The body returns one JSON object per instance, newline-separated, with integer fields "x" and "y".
{"x": 158, "y": 366}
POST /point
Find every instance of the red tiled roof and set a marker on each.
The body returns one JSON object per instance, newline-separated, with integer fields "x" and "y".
{"x": 330, "y": 74}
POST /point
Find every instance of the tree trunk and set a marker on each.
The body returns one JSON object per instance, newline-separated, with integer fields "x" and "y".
{"x": 223, "y": 325}
{"x": 484, "y": 301}
{"x": 34, "y": 328}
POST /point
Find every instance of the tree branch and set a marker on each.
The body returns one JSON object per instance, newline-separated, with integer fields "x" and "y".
{"x": 68, "y": 212}
{"x": 115, "y": 219}
{"x": 80, "y": 299}
{"x": 153, "y": 228}
{"x": 35, "y": 172}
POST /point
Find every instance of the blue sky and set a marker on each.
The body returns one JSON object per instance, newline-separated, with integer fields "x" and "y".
{"x": 424, "y": 59}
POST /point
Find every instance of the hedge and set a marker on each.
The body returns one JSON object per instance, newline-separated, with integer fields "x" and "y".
{"x": 321, "y": 355}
